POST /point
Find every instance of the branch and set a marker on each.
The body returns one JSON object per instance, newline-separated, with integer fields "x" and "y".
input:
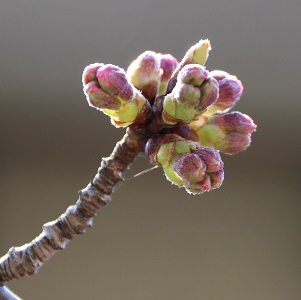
{"x": 27, "y": 259}
{"x": 6, "y": 294}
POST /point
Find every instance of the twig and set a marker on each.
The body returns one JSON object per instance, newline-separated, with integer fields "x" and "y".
{"x": 7, "y": 294}
{"x": 27, "y": 259}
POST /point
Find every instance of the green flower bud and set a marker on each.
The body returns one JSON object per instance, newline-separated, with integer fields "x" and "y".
{"x": 197, "y": 54}
{"x": 185, "y": 163}
{"x": 192, "y": 94}
{"x": 230, "y": 133}
{"x": 144, "y": 74}
{"x": 230, "y": 91}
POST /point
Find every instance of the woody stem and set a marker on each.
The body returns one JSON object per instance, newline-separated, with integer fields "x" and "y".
{"x": 27, "y": 259}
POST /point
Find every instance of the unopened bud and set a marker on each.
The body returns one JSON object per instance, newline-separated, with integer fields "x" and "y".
{"x": 113, "y": 80}
{"x": 99, "y": 99}
{"x": 185, "y": 163}
{"x": 210, "y": 91}
{"x": 193, "y": 74}
{"x": 230, "y": 133}
{"x": 190, "y": 167}
{"x": 89, "y": 73}
{"x": 107, "y": 88}
{"x": 230, "y": 91}
{"x": 234, "y": 121}
{"x": 144, "y": 74}
{"x": 197, "y": 54}
{"x": 167, "y": 65}
{"x": 192, "y": 94}
{"x": 211, "y": 157}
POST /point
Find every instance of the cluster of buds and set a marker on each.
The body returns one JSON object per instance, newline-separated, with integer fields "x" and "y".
{"x": 186, "y": 163}
{"x": 183, "y": 109}
{"x": 194, "y": 91}
{"x": 108, "y": 89}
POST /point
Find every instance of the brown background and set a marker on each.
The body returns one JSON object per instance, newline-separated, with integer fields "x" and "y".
{"x": 153, "y": 241}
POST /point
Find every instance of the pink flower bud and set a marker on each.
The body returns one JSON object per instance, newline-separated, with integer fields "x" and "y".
{"x": 235, "y": 142}
{"x": 190, "y": 167}
{"x": 230, "y": 91}
{"x": 216, "y": 179}
{"x": 185, "y": 163}
{"x": 199, "y": 187}
{"x": 211, "y": 157}
{"x": 89, "y": 73}
{"x": 230, "y": 133}
{"x": 107, "y": 88}
{"x": 99, "y": 99}
{"x": 193, "y": 74}
{"x": 113, "y": 80}
{"x": 209, "y": 90}
{"x": 144, "y": 74}
{"x": 214, "y": 176}
{"x": 167, "y": 65}
{"x": 234, "y": 121}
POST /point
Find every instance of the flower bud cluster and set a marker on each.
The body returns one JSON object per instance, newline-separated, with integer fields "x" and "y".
{"x": 108, "y": 89}
{"x": 181, "y": 107}
{"x": 185, "y": 163}
{"x": 193, "y": 93}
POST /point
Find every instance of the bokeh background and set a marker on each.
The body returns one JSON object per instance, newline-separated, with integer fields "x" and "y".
{"x": 153, "y": 241}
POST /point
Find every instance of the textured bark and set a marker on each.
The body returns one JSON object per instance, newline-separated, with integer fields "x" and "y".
{"x": 27, "y": 259}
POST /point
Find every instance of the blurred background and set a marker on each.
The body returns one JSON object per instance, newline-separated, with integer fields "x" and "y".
{"x": 153, "y": 241}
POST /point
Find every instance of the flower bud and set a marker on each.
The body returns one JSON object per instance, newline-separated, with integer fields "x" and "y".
{"x": 209, "y": 92}
{"x": 167, "y": 65}
{"x": 113, "y": 80}
{"x": 199, "y": 187}
{"x": 230, "y": 133}
{"x": 192, "y": 94}
{"x": 193, "y": 74}
{"x": 230, "y": 91}
{"x": 107, "y": 88}
{"x": 89, "y": 73}
{"x": 99, "y": 99}
{"x": 144, "y": 74}
{"x": 211, "y": 157}
{"x": 197, "y": 54}
{"x": 190, "y": 167}
{"x": 185, "y": 163}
